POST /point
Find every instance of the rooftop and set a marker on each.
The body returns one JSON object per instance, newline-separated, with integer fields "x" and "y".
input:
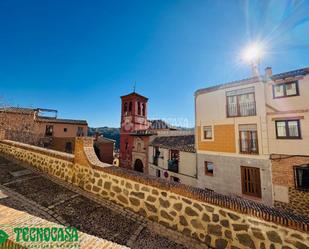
{"x": 134, "y": 94}
{"x": 159, "y": 124}
{"x": 294, "y": 73}
{"x": 183, "y": 142}
{"x": 23, "y": 110}
{"x": 61, "y": 120}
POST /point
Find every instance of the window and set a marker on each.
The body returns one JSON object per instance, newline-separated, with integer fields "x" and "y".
{"x": 174, "y": 161}
{"x": 241, "y": 102}
{"x": 138, "y": 108}
{"x": 49, "y": 130}
{"x": 156, "y": 155}
{"x": 248, "y": 141}
{"x": 209, "y": 168}
{"x": 207, "y": 132}
{"x": 143, "y": 109}
{"x": 158, "y": 173}
{"x": 288, "y": 129}
{"x": 68, "y": 147}
{"x": 130, "y": 107}
{"x": 285, "y": 90}
{"x": 302, "y": 176}
{"x": 80, "y": 131}
{"x": 175, "y": 179}
{"x": 65, "y": 129}
{"x": 251, "y": 181}
{"x": 125, "y": 108}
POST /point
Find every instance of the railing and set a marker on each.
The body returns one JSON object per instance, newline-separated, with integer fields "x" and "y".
{"x": 155, "y": 160}
{"x": 248, "y": 146}
{"x": 173, "y": 166}
{"x": 241, "y": 109}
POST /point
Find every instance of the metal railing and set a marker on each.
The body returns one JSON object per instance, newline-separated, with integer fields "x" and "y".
{"x": 241, "y": 109}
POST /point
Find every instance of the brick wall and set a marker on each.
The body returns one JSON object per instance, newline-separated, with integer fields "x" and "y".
{"x": 283, "y": 175}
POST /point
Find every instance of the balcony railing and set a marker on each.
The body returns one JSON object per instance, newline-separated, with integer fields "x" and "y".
{"x": 173, "y": 166}
{"x": 241, "y": 109}
{"x": 248, "y": 146}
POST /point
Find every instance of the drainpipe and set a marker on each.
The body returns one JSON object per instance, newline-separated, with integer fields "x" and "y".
{"x": 196, "y": 139}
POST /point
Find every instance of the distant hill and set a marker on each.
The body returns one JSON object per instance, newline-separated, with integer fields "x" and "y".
{"x": 112, "y": 133}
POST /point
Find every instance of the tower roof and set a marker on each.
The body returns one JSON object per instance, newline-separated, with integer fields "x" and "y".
{"x": 133, "y": 94}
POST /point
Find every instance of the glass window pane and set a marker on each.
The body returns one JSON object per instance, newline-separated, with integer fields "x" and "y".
{"x": 291, "y": 89}
{"x": 303, "y": 177}
{"x": 278, "y": 91}
{"x": 293, "y": 128}
{"x": 207, "y": 132}
{"x": 281, "y": 132}
{"x": 232, "y": 105}
{"x": 210, "y": 166}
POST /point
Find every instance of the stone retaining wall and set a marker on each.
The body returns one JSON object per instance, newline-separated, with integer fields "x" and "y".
{"x": 219, "y": 221}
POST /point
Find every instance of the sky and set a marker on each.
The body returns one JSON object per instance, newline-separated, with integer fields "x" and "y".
{"x": 80, "y": 56}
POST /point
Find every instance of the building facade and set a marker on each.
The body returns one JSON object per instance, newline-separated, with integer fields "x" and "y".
{"x": 173, "y": 158}
{"x": 137, "y": 132}
{"x": 241, "y": 138}
{"x": 104, "y": 148}
{"x": 134, "y": 137}
{"x": 31, "y": 126}
{"x": 288, "y": 135}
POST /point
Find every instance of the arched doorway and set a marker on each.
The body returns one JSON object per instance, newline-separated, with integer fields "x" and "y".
{"x": 138, "y": 165}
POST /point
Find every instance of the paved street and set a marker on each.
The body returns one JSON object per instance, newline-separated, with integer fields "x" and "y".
{"x": 59, "y": 202}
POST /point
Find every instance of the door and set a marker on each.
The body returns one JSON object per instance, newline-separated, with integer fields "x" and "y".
{"x": 138, "y": 165}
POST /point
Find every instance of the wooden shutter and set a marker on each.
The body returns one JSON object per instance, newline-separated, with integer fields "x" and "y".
{"x": 251, "y": 181}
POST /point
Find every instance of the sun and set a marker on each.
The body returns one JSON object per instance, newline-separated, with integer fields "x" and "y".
{"x": 253, "y": 52}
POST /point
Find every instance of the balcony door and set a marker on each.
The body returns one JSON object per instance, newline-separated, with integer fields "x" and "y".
{"x": 241, "y": 103}
{"x": 248, "y": 139}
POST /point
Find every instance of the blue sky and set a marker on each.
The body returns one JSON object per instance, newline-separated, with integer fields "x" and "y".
{"x": 80, "y": 56}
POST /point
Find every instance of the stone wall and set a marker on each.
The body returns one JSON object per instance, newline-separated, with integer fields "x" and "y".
{"x": 286, "y": 196}
{"x": 217, "y": 220}
{"x": 298, "y": 202}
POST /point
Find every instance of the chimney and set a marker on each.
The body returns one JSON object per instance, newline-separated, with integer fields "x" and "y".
{"x": 268, "y": 72}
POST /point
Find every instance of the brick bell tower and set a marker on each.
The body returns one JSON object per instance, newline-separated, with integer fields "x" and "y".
{"x": 133, "y": 118}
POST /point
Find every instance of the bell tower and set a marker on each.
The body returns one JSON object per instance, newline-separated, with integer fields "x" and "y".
{"x": 133, "y": 118}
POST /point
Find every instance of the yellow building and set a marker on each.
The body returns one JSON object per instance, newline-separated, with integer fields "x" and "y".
{"x": 242, "y": 125}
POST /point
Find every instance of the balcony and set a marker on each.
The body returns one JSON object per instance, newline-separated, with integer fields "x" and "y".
{"x": 241, "y": 109}
{"x": 248, "y": 146}
{"x": 173, "y": 166}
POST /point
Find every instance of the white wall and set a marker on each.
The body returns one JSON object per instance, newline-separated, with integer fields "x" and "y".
{"x": 187, "y": 166}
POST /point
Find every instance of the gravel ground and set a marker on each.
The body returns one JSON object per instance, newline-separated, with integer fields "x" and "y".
{"x": 150, "y": 240}
{"x": 97, "y": 220}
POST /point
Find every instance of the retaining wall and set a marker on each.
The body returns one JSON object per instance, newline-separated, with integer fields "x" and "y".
{"x": 217, "y": 220}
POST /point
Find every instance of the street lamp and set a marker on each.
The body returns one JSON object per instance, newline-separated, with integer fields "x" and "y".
{"x": 252, "y": 54}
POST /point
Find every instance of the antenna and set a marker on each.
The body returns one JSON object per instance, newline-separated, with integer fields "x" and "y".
{"x": 134, "y": 86}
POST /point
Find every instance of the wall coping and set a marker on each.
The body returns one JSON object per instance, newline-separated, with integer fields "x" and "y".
{"x": 48, "y": 152}
{"x": 239, "y": 205}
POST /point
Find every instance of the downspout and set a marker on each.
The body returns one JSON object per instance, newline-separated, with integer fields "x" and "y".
{"x": 196, "y": 138}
